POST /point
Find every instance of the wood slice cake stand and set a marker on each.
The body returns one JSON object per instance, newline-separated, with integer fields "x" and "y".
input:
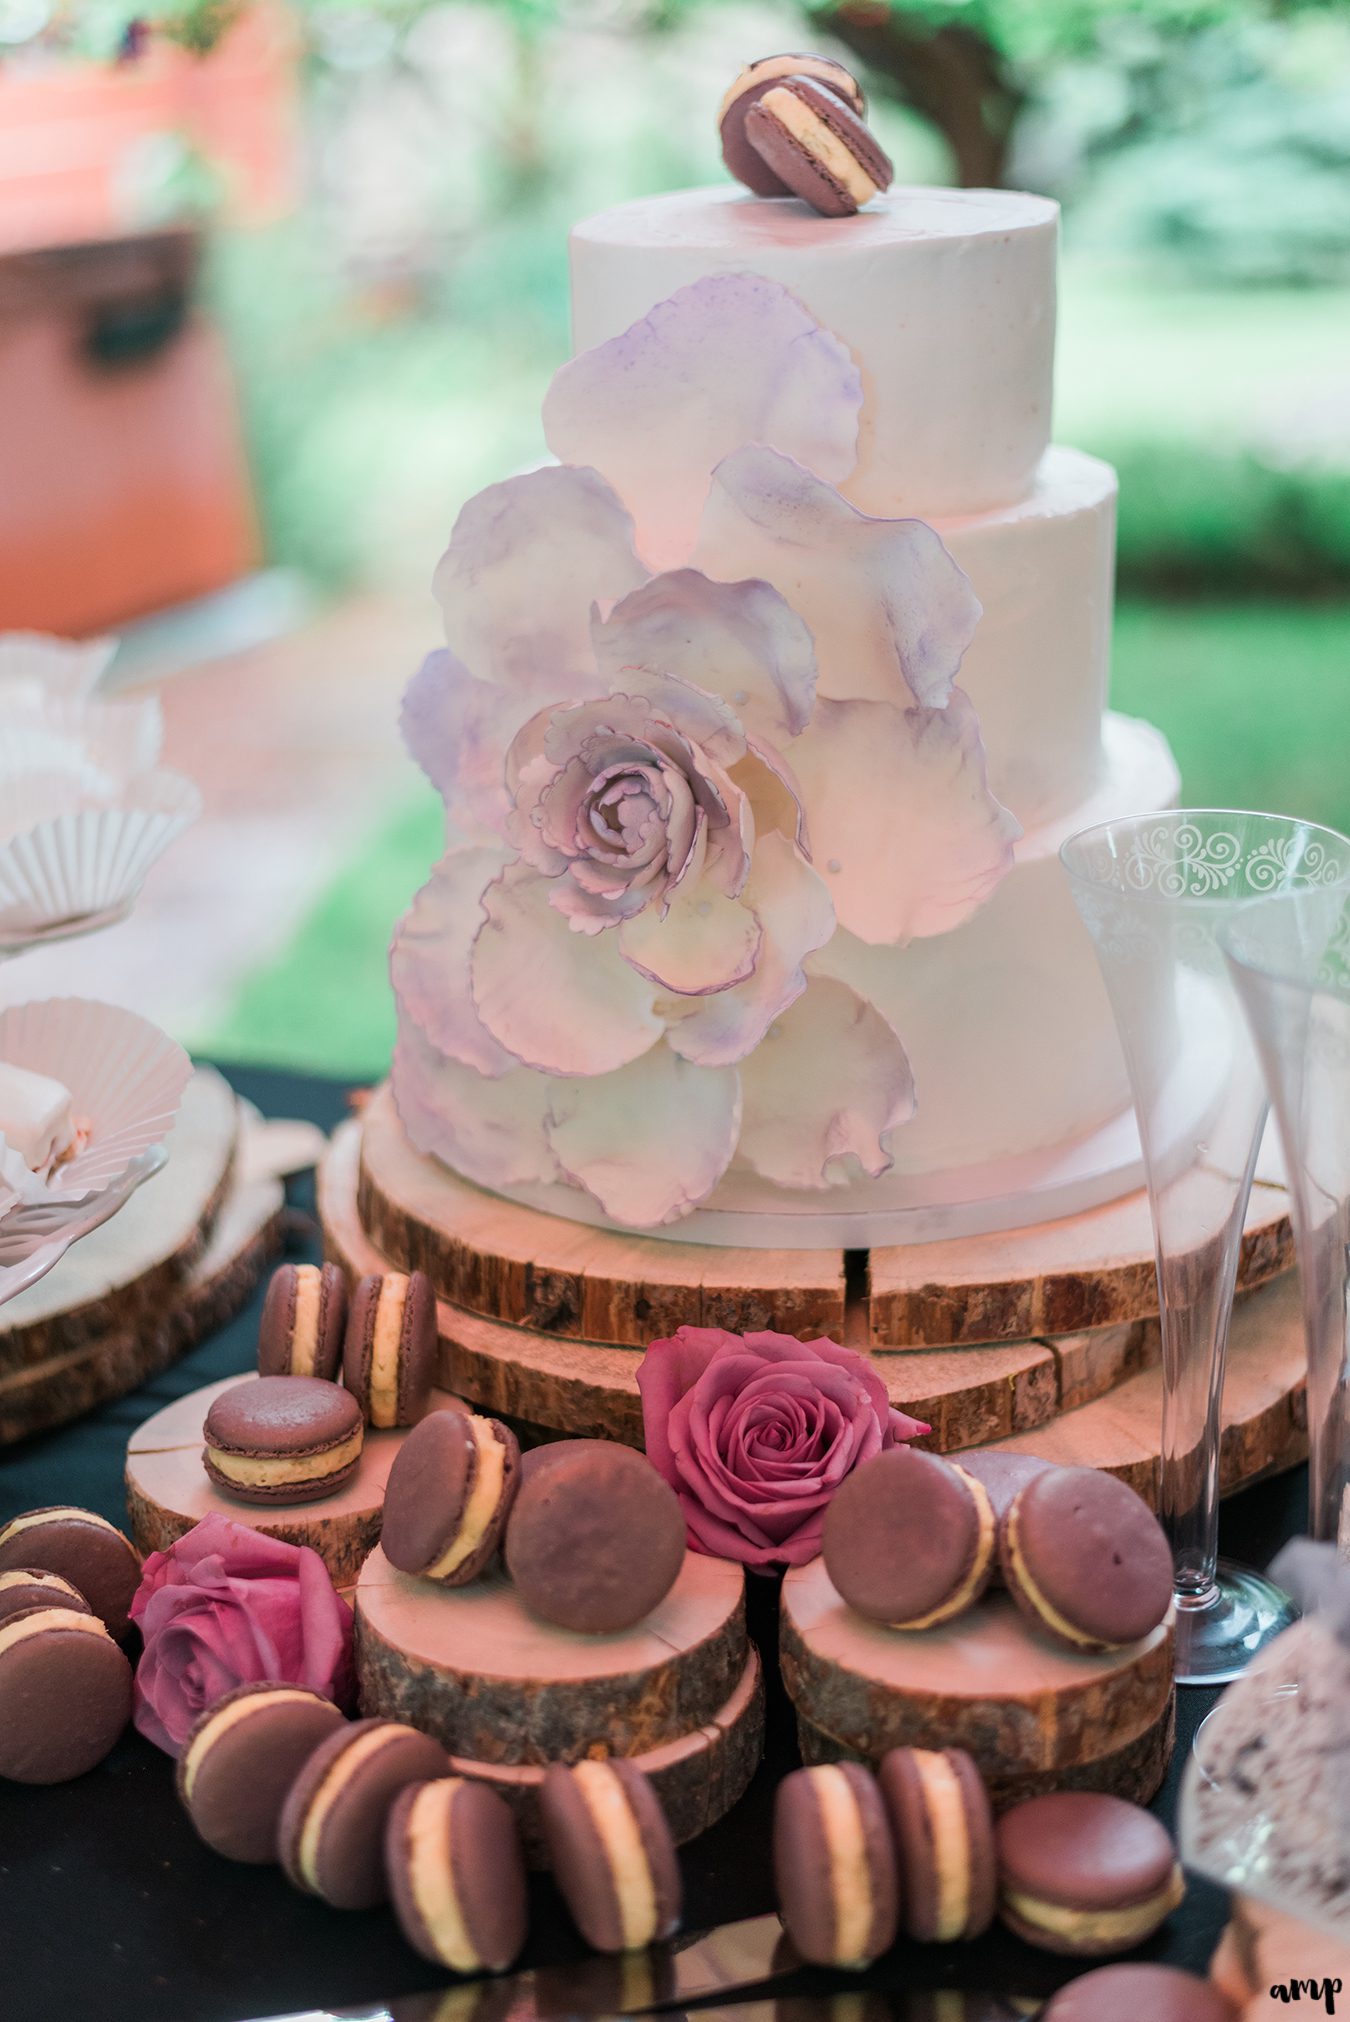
{"x": 1034, "y": 1716}
{"x": 505, "y": 1694}
{"x": 177, "y": 1260}
{"x": 1046, "y": 1337}
{"x": 168, "y": 1490}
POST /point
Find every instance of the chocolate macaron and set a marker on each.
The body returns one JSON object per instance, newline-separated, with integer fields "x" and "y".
{"x": 330, "y": 1839}
{"x": 1084, "y": 1874}
{"x": 909, "y": 1539}
{"x": 282, "y": 1439}
{"x": 456, "y": 1872}
{"x": 612, "y": 1854}
{"x": 745, "y": 162}
{"x": 304, "y": 1322}
{"x": 448, "y": 1496}
{"x": 23, "y": 1588}
{"x": 65, "y": 1694}
{"x": 389, "y": 1362}
{"x": 240, "y": 1760}
{"x": 944, "y": 1837}
{"x": 83, "y": 1548}
{"x": 1139, "y": 1993}
{"x": 1085, "y": 1559}
{"x": 834, "y": 1865}
{"x": 815, "y": 143}
{"x": 596, "y": 1538}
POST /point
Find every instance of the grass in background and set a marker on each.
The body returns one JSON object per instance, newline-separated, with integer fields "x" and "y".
{"x": 1255, "y": 698}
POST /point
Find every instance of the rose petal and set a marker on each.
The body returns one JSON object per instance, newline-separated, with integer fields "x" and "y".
{"x": 703, "y": 942}
{"x": 734, "y": 358}
{"x": 458, "y": 729}
{"x": 560, "y": 1002}
{"x": 429, "y": 959}
{"x": 792, "y": 905}
{"x": 527, "y": 559}
{"x": 943, "y": 843}
{"x": 773, "y": 794}
{"x": 669, "y": 1368}
{"x": 650, "y": 1141}
{"x": 884, "y": 600}
{"x": 799, "y": 1128}
{"x": 737, "y": 640}
{"x": 491, "y": 1131}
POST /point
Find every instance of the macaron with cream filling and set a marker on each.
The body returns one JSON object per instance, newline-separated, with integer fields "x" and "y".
{"x": 1140, "y": 1993}
{"x": 282, "y": 1439}
{"x": 449, "y": 1493}
{"x": 389, "y": 1361}
{"x": 330, "y": 1838}
{"x": 612, "y": 1853}
{"x": 304, "y": 1322}
{"x": 944, "y": 1836}
{"x": 744, "y": 161}
{"x": 456, "y": 1872}
{"x": 65, "y": 1694}
{"x": 23, "y": 1588}
{"x": 83, "y": 1548}
{"x": 1085, "y": 1874}
{"x": 815, "y": 143}
{"x": 909, "y": 1539}
{"x": 240, "y": 1760}
{"x": 1085, "y": 1559}
{"x": 834, "y": 1865}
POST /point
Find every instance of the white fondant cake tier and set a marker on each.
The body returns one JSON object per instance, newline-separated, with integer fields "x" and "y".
{"x": 946, "y": 298}
{"x": 1038, "y": 666}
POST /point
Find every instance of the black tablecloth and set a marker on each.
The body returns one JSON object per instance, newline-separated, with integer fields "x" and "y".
{"x": 111, "y": 1909}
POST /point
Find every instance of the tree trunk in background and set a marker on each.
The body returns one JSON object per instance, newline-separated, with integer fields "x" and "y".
{"x": 950, "y": 76}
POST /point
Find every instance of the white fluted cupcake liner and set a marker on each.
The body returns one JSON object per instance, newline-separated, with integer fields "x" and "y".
{"x": 71, "y": 734}
{"x": 37, "y": 663}
{"x": 91, "y": 861}
{"x": 126, "y": 1080}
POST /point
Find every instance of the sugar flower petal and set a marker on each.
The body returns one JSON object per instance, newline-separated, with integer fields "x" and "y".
{"x": 800, "y": 1128}
{"x": 429, "y": 959}
{"x": 527, "y": 559}
{"x": 884, "y": 600}
{"x": 792, "y": 904}
{"x": 457, "y": 730}
{"x": 650, "y": 1141}
{"x": 560, "y": 1002}
{"x": 733, "y": 358}
{"x": 741, "y": 641}
{"x": 703, "y": 942}
{"x": 906, "y": 831}
{"x": 491, "y": 1131}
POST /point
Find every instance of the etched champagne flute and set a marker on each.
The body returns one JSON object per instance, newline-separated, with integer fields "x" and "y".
{"x": 1155, "y": 890}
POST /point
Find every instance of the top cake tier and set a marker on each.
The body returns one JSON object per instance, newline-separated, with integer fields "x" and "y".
{"x": 946, "y": 299}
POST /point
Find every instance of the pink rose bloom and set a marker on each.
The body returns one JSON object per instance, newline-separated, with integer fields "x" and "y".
{"x": 228, "y": 1606}
{"x": 755, "y": 1432}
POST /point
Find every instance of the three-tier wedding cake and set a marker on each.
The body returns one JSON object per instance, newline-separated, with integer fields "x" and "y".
{"x": 763, "y": 711}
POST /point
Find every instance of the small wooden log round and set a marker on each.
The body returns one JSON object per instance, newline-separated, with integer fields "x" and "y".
{"x": 698, "y": 1776}
{"x": 471, "y": 1666}
{"x": 168, "y": 1490}
{"x": 1023, "y": 1707}
{"x": 1135, "y": 1771}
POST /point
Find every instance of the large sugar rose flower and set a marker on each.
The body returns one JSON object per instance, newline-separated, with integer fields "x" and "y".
{"x": 225, "y": 1606}
{"x": 755, "y": 1432}
{"x": 696, "y": 716}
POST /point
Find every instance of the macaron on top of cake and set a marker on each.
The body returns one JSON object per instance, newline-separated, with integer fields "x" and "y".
{"x": 1083, "y": 1872}
{"x": 65, "y": 1694}
{"x": 448, "y": 1496}
{"x": 1086, "y": 1559}
{"x": 612, "y": 1853}
{"x": 84, "y": 1548}
{"x": 1139, "y": 1993}
{"x": 330, "y": 1839}
{"x": 457, "y": 1874}
{"x": 596, "y": 1538}
{"x": 23, "y": 1588}
{"x": 241, "y": 1758}
{"x": 909, "y": 1539}
{"x": 944, "y": 1836}
{"x": 304, "y": 1322}
{"x": 744, "y": 161}
{"x": 282, "y": 1439}
{"x": 834, "y": 1865}
{"x": 389, "y": 1362}
{"x": 814, "y": 142}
